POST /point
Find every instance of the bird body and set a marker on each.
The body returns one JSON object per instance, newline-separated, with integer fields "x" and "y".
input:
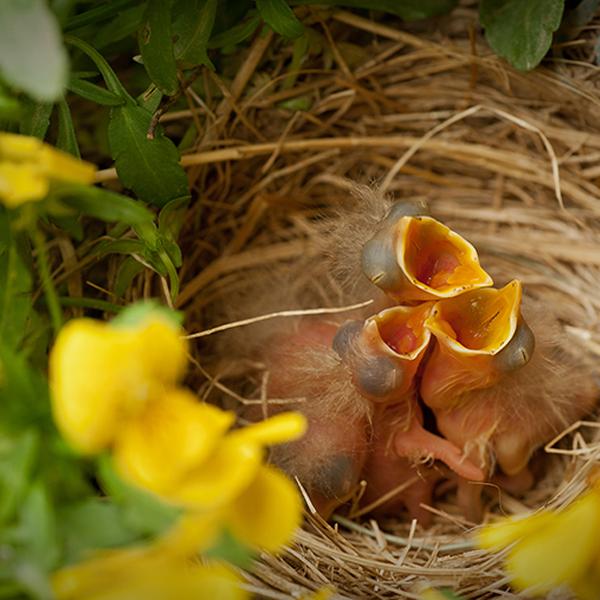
{"x": 495, "y": 370}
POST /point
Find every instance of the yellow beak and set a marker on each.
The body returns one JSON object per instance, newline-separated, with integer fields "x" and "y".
{"x": 480, "y": 335}
{"x": 418, "y": 258}
{"x": 386, "y": 351}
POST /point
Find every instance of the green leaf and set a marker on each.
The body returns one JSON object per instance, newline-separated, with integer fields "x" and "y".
{"x": 36, "y": 118}
{"x": 36, "y": 531}
{"x": 102, "y": 204}
{"x": 171, "y": 218}
{"x": 17, "y": 459}
{"x": 66, "y": 140}
{"x": 229, "y": 549}
{"x": 409, "y": 10}
{"x": 9, "y": 106}
{"x": 134, "y": 313}
{"x": 148, "y": 167}
{"x": 575, "y": 19}
{"x": 280, "y": 17}
{"x": 142, "y": 512}
{"x": 117, "y": 247}
{"x": 93, "y": 92}
{"x": 127, "y": 271}
{"x": 92, "y": 524}
{"x": 110, "y": 78}
{"x": 32, "y": 57}
{"x": 156, "y": 46}
{"x": 124, "y": 25}
{"x": 15, "y": 288}
{"x": 24, "y": 397}
{"x": 521, "y": 30}
{"x": 236, "y": 34}
{"x": 192, "y": 27}
{"x": 96, "y": 15}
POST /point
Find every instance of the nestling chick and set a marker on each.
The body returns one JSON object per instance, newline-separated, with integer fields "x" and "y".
{"x": 329, "y": 459}
{"x": 383, "y": 354}
{"x": 500, "y": 386}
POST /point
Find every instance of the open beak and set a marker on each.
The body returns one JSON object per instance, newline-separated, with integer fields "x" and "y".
{"x": 417, "y": 258}
{"x": 387, "y": 350}
{"x": 480, "y": 336}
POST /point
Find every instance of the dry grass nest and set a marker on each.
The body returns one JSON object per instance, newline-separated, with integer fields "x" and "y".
{"x": 509, "y": 160}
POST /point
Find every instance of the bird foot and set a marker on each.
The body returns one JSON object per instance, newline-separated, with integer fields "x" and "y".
{"x": 417, "y": 444}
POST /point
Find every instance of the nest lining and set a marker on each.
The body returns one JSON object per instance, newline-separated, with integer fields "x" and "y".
{"x": 511, "y": 161}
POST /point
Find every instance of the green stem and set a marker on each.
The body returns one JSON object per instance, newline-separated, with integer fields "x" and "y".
{"x": 44, "y": 272}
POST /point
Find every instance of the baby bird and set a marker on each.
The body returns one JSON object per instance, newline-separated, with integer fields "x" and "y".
{"x": 328, "y": 460}
{"x": 383, "y": 355}
{"x": 501, "y": 386}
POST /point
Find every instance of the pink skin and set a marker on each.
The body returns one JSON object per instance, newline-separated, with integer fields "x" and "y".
{"x": 479, "y": 426}
{"x": 334, "y": 454}
{"x": 385, "y": 471}
{"x": 329, "y": 458}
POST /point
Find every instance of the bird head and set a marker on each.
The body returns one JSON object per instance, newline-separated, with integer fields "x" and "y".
{"x": 384, "y": 352}
{"x": 480, "y": 336}
{"x": 416, "y": 258}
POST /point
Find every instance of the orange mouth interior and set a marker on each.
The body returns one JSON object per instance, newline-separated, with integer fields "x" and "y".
{"x": 437, "y": 258}
{"x": 403, "y": 330}
{"x": 482, "y": 320}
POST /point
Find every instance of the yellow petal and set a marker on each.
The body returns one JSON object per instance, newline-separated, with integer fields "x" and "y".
{"x": 102, "y": 375}
{"x": 562, "y": 552}
{"x": 21, "y": 183}
{"x": 64, "y": 167}
{"x": 162, "y": 349}
{"x": 268, "y": 512}
{"x": 281, "y": 428}
{"x": 172, "y": 436}
{"x": 146, "y": 573}
{"x": 501, "y": 534}
{"x": 91, "y": 376}
{"x": 193, "y": 533}
{"x": 222, "y": 477}
{"x": 19, "y": 148}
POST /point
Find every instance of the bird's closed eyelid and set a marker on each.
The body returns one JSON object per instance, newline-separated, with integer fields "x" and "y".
{"x": 345, "y": 337}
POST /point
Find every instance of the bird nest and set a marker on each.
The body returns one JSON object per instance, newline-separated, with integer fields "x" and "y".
{"x": 509, "y": 160}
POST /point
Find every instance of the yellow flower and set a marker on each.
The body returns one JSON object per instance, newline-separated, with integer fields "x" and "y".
{"x": 164, "y": 570}
{"x": 180, "y": 450}
{"x": 552, "y": 548}
{"x": 28, "y": 166}
{"x": 114, "y": 387}
{"x": 101, "y": 376}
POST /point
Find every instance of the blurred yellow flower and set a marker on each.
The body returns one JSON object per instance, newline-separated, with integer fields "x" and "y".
{"x": 180, "y": 450}
{"x": 115, "y": 387}
{"x": 552, "y": 548}
{"x": 28, "y": 166}
{"x": 102, "y": 376}
{"x": 164, "y": 570}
